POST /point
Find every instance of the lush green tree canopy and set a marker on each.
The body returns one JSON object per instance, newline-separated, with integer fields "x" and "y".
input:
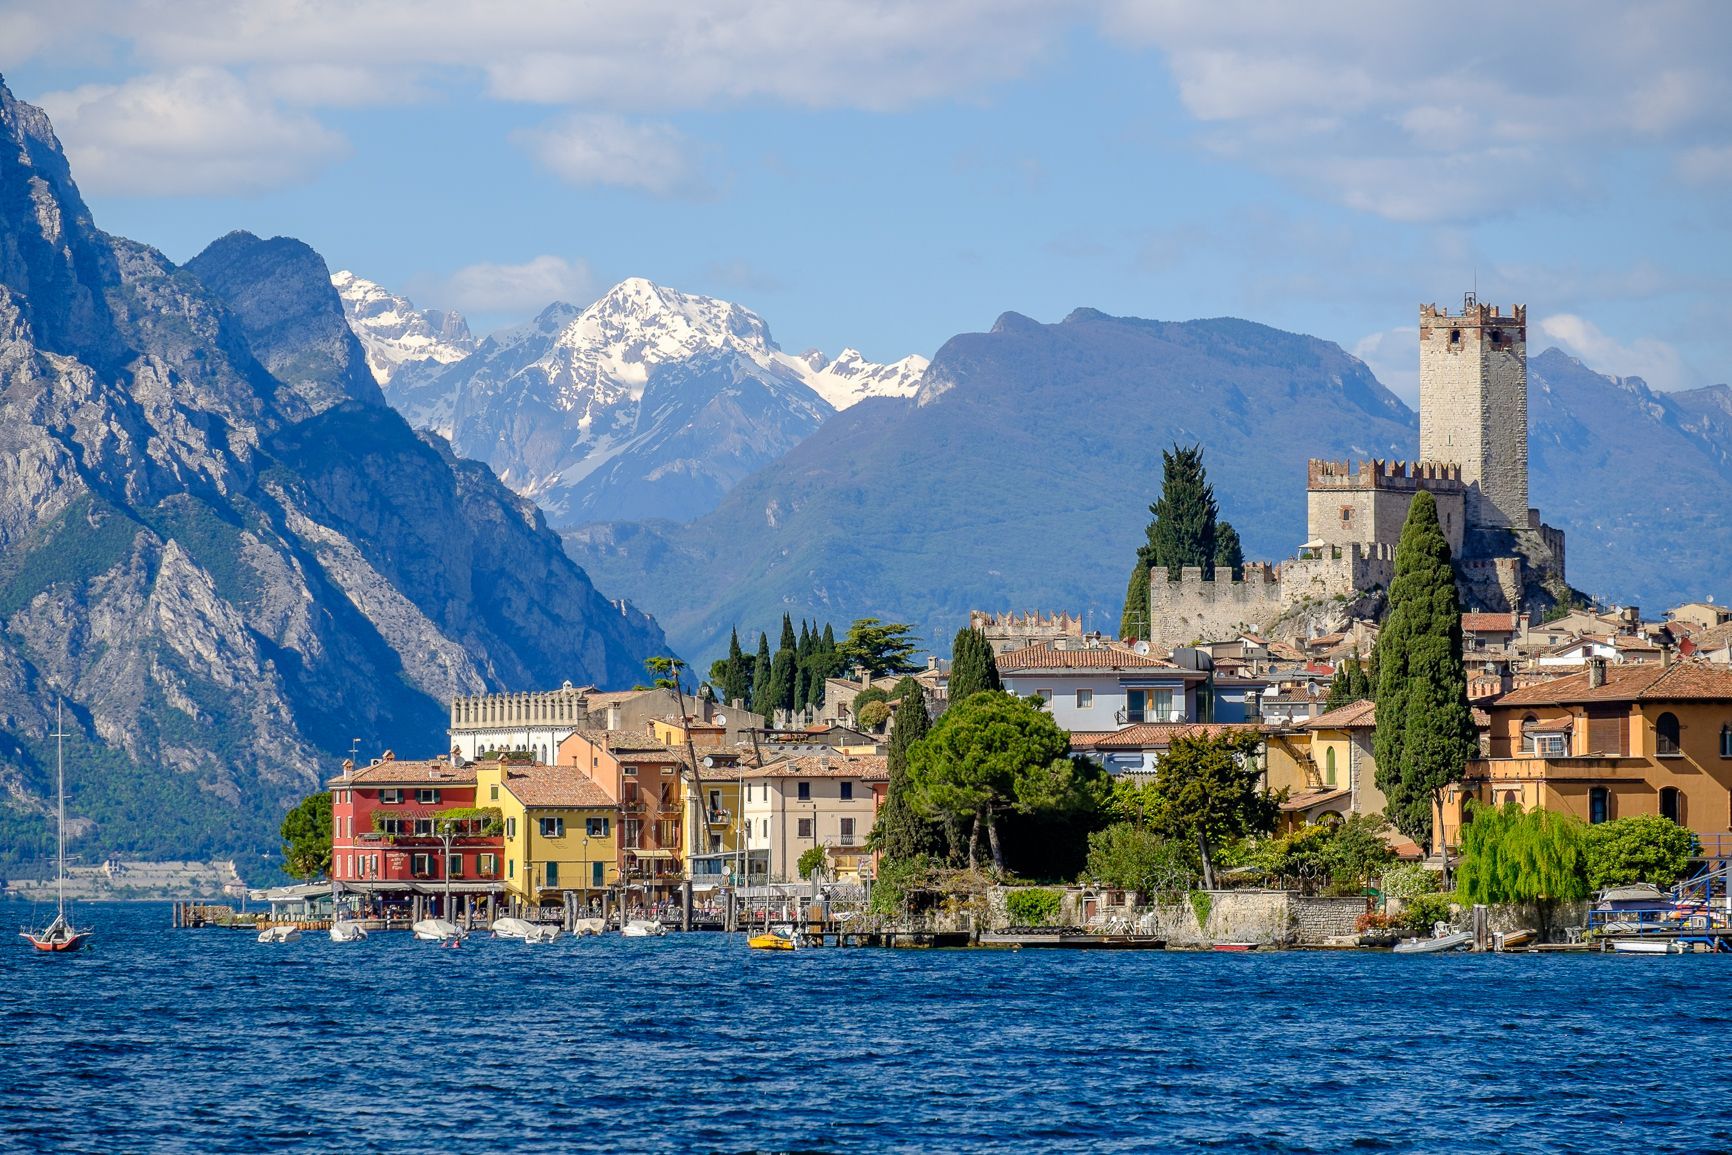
{"x": 1425, "y": 731}
{"x": 901, "y": 832}
{"x": 307, "y": 837}
{"x": 1513, "y": 855}
{"x": 1641, "y": 848}
{"x": 1131, "y": 857}
{"x": 1206, "y": 791}
{"x": 878, "y": 647}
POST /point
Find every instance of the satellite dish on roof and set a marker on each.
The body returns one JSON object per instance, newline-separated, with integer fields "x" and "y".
{"x": 721, "y": 719}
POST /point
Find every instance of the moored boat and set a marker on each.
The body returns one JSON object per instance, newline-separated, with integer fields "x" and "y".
{"x": 1460, "y": 940}
{"x": 1646, "y": 946}
{"x": 1514, "y": 939}
{"x": 518, "y": 928}
{"x": 347, "y": 931}
{"x": 436, "y": 930}
{"x": 778, "y": 939}
{"x": 60, "y": 935}
{"x": 1233, "y": 946}
{"x": 278, "y": 934}
{"x": 643, "y": 928}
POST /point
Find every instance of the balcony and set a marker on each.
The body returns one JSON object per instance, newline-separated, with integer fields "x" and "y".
{"x": 1532, "y": 768}
{"x": 719, "y": 817}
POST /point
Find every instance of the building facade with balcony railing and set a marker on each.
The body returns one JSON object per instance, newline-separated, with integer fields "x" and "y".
{"x": 386, "y": 825}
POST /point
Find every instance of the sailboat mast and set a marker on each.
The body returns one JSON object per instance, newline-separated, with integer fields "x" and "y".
{"x": 60, "y": 794}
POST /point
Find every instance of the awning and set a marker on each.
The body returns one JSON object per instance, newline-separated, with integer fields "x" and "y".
{"x": 659, "y": 855}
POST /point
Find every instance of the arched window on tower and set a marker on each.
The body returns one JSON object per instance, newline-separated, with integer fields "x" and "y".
{"x": 1329, "y": 766}
{"x": 1666, "y": 733}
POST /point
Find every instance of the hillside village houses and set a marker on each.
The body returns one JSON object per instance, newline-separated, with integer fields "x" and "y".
{"x": 639, "y": 798}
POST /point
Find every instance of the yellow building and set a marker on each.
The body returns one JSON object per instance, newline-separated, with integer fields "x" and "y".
{"x": 712, "y": 848}
{"x": 1610, "y": 742}
{"x": 561, "y": 830}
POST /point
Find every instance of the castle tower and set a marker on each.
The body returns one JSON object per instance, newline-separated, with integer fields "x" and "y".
{"x": 1473, "y": 405}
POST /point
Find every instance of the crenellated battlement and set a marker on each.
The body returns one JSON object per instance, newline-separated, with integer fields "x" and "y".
{"x": 1474, "y": 315}
{"x": 1379, "y": 473}
{"x": 1034, "y": 620}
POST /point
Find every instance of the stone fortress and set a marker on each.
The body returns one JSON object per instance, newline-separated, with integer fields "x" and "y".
{"x": 1473, "y": 444}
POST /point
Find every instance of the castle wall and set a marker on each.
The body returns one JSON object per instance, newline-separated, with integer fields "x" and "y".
{"x": 1473, "y": 403}
{"x": 1191, "y": 609}
{"x": 1017, "y": 631}
{"x": 1347, "y": 506}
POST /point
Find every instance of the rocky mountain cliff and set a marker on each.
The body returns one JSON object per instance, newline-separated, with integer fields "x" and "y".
{"x": 223, "y": 549}
{"x": 1020, "y": 474}
{"x": 650, "y": 403}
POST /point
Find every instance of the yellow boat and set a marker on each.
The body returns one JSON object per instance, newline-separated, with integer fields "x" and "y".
{"x": 772, "y": 941}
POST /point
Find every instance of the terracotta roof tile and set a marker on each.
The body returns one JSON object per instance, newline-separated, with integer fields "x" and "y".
{"x": 1044, "y": 657}
{"x": 1086, "y": 739}
{"x": 1353, "y": 716}
{"x": 868, "y": 767}
{"x": 539, "y": 786}
{"x": 1149, "y": 734}
{"x": 1633, "y": 682}
{"x": 404, "y": 772}
{"x": 1488, "y": 623}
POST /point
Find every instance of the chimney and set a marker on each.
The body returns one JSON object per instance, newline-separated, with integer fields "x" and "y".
{"x": 1596, "y": 673}
{"x": 1665, "y": 656}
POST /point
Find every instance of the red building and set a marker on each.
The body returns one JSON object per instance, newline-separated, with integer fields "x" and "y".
{"x": 384, "y": 834}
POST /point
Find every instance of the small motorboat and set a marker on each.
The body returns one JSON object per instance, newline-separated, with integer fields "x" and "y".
{"x": 1234, "y": 946}
{"x": 643, "y": 928}
{"x": 347, "y": 932}
{"x": 1514, "y": 939}
{"x": 1646, "y": 946}
{"x": 1460, "y": 940}
{"x": 778, "y": 939}
{"x": 518, "y": 928}
{"x": 275, "y": 934}
{"x": 436, "y": 930}
{"x": 585, "y": 926}
{"x": 542, "y": 934}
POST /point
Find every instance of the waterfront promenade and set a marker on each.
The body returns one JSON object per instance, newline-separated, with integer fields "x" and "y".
{"x": 157, "y": 1041}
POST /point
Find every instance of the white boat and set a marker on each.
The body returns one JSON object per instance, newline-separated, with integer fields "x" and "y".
{"x": 585, "y": 926}
{"x": 436, "y": 930}
{"x": 60, "y": 935}
{"x": 280, "y": 934}
{"x": 347, "y": 931}
{"x": 543, "y": 934}
{"x": 1513, "y": 939}
{"x": 1646, "y": 946}
{"x": 520, "y": 928}
{"x": 1460, "y": 940}
{"x": 643, "y": 928}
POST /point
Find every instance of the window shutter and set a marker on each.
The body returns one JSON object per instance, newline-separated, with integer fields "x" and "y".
{"x": 1608, "y": 732}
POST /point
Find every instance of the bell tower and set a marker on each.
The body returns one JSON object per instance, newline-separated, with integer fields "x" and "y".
{"x": 1473, "y": 406}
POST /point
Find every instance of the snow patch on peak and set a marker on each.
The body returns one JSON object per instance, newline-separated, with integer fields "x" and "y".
{"x": 394, "y": 332}
{"x": 850, "y": 378}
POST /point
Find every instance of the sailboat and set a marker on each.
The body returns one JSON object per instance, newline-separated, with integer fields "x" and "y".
{"x": 59, "y": 935}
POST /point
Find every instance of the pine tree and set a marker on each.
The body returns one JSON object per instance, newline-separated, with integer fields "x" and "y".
{"x": 901, "y": 832}
{"x": 762, "y": 692}
{"x": 973, "y": 667}
{"x": 1425, "y": 731}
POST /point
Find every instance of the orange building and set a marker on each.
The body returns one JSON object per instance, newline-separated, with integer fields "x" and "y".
{"x": 1609, "y": 742}
{"x": 647, "y": 779}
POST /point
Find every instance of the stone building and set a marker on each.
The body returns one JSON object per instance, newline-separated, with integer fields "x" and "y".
{"x": 1474, "y": 463}
{"x": 1014, "y": 631}
{"x": 536, "y": 722}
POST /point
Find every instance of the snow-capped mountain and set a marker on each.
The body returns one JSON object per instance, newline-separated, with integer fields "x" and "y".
{"x": 650, "y": 403}
{"x": 396, "y": 334}
{"x": 851, "y": 378}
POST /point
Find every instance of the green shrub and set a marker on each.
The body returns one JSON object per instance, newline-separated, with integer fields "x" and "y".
{"x": 1202, "y": 902}
{"x": 897, "y": 880}
{"x": 1130, "y": 857}
{"x": 1424, "y": 911}
{"x": 1643, "y": 848}
{"x": 1405, "y": 880}
{"x": 1033, "y": 906}
{"x": 873, "y": 715}
{"x": 813, "y": 861}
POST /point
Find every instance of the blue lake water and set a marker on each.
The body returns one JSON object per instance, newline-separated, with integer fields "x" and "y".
{"x": 161, "y": 1040}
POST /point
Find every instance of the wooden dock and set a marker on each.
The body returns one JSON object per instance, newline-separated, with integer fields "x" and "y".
{"x": 1069, "y": 940}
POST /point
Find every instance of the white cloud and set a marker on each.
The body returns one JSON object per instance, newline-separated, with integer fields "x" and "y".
{"x": 196, "y": 131}
{"x": 1393, "y": 355}
{"x": 493, "y": 290}
{"x": 1419, "y": 114}
{"x": 1655, "y": 362}
{"x": 645, "y": 55}
{"x": 585, "y": 149}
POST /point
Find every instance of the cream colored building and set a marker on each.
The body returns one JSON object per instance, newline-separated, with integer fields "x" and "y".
{"x": 794, "y": 804}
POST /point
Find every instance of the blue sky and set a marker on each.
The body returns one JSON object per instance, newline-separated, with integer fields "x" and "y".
{"x": 884, "y": 175}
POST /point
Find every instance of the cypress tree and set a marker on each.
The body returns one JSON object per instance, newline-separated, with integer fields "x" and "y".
{"x": 783, "y": 668}
{"x": 1134, "y": 622}
{"x": 762, "y": 702}
{"x": 1183, "y": 532}
{"x": 1425, "y": 732}
{"x": 1229, "y": 553}
{"x": 737, "y": 685}
{"x": 789, "y": 642}
{"x": 900, "y": 832}
{"x": 973, "y": 667}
